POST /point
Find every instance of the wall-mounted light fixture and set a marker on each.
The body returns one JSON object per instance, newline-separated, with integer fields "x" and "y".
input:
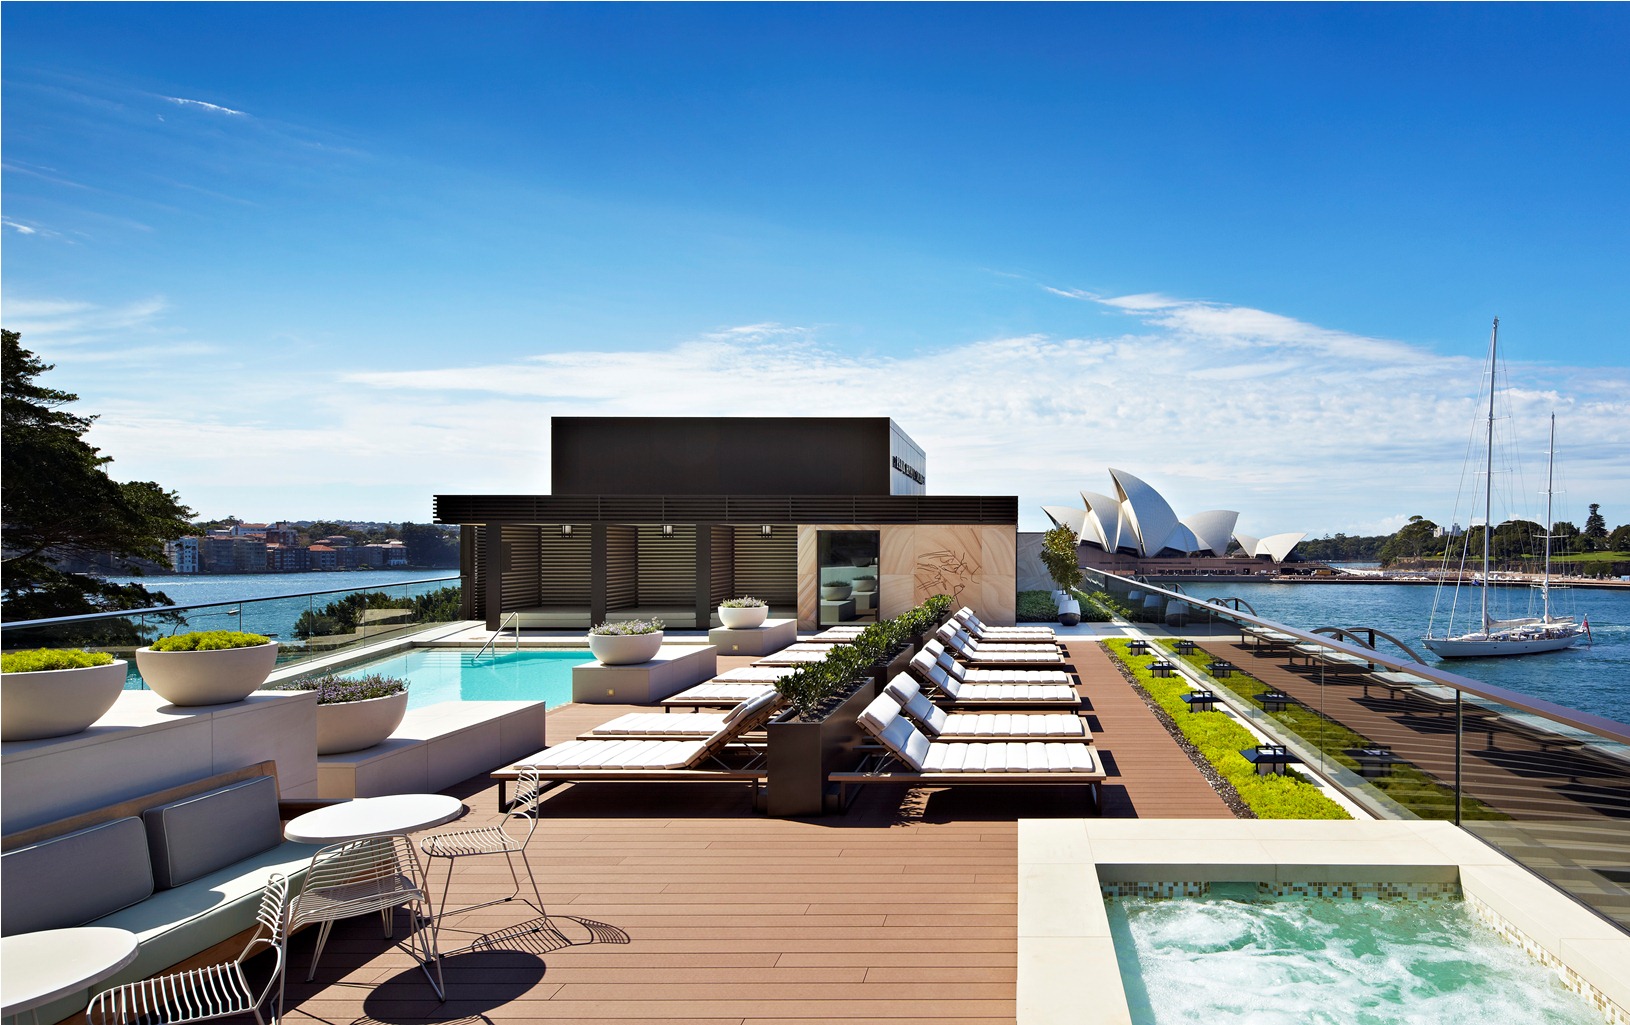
{"x": 667, "y": 530}
{"x": 766, "y": 530}
{"x": 565, "y": 530}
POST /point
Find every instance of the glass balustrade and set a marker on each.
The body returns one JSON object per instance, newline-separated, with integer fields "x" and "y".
{"x": 1548, "y": 786}
{"x": 305, "y": 626}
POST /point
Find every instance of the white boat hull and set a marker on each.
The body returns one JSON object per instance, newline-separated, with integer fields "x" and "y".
{"x": 1497, "y": 646}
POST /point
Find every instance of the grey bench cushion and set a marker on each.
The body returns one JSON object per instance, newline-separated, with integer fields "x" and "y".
{"x": 196, "y": 835}
{"x": 72, "y": 879}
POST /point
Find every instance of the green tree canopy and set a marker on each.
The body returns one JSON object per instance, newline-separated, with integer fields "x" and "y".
{"x": 1596, "y": 527}
{"x": 59, "y": 502}
{"x": 1058, "y": 554}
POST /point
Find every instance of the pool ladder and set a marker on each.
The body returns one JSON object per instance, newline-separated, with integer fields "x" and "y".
{"x": 514, "y": 618}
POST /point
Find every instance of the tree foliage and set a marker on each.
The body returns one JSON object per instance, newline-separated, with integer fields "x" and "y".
{"x": 1059, "y": 555}
{"x": 430, "y": 545}
{"x": 1596, "y": 528}
{"x": 59, "y": 502}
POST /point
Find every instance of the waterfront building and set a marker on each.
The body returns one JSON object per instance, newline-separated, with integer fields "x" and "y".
{"x": 826, "y": 518}
{"x": 183, "y": 554}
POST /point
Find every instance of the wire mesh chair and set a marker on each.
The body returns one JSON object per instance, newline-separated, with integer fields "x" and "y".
{"x": 358, "y": 877}
{"x": 200, "y": 994}
{"x": 494, "y": 839}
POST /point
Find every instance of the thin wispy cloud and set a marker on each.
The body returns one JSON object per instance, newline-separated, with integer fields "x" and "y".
{"x": 214, "y": 108}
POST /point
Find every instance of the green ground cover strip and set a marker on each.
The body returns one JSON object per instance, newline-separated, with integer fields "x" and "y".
{"x": 1106, "y": 604}
{"x": 1220, "y": 739}
{"x": 1409, "y": 786}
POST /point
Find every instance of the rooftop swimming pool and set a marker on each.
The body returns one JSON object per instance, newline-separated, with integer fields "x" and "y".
{"x": 447, "y": 674}
{"x": 1305, "y": 960}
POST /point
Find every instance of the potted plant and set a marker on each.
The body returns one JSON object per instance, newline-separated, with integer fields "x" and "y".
{"x": 865, "y": 584}
{"x": 353, "y": 714}
{"x": 819, "y": 733}
{"x": 206, "y": 667}
{"x": 626, "y": 643}
{"x": 55, "y": 692}
{"x": 743, "y": 613}
{"x": 835, "y": 590}
{"x": 1058, "y": 554}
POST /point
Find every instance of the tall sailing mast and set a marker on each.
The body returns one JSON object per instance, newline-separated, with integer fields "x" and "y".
{"x": 1488, "y": 476}
{"x": 1550, "y": 476}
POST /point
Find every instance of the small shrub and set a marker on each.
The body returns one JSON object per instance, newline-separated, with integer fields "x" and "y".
{"x": 1037, "y": 607}
{"x": 627, "y": 628}
{"x": 334, "y": 690}
{"x": 209, "y": 640}
{"x": 744, "y": 602}
{"x": 44, "y": 660}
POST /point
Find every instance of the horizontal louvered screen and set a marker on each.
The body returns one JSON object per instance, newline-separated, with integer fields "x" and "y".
{"x": 521, "y": 562}
{"x": 622, "y": 567}
{"x": 767, "y": 567}
{"x": 744, "y": 509}
{"x": 667, "y": 564}
{"x": 565, "y": 577}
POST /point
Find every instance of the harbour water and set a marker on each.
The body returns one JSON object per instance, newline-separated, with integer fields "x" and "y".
{"x": 1592, "y": 678}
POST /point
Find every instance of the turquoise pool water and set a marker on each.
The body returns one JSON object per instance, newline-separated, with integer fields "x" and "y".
{"x": 445, "y": 674}
{"x": 1309, "y": 961}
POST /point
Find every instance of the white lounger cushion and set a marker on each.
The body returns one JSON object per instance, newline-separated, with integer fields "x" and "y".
{"x": 723, "y": 692}
{"x": 908, "y": 744}
{"x": 753, "y": 674}
{"x": 971, "y": 623}
{"x": 974, "y": 693}
{"x": 661, "y": 724}
{"x": 788, "y": 657}
{"x": 924, "y": 662}
{"x": 619, "y": 754}
{"x": 942, "y": 725}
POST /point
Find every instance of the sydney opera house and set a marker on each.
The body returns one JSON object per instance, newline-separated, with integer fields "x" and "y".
{"x": 1138, "y": 521}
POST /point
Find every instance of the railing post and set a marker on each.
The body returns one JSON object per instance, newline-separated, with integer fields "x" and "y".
{"x": 1459, "y": 751}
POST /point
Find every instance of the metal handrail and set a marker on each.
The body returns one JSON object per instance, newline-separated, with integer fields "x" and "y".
{"x": 154, "y": 610}
{"x": 513, "y": 617}
{"x": 1599, "y": 725}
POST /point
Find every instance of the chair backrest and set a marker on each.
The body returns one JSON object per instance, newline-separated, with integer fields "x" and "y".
{"x": 271, "y": 915}
{"x": 952, "y": 667}
{"x": 373, "y": 864}
{"x": 927, "y": 668}
{"x": 746, "y": 717}
{"x": 524, "y": 803}
{"x": 883, "y": 720}
{"x": 929, "y": 716}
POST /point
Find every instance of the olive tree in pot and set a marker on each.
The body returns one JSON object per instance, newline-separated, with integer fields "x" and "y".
{"x": 626, "y": 643}
{"x": 353, "y": 714}
{"x": 56, "y": 692}
{"x": 743, "y": 613}
{"x": 1058, "y": 554}
{"x": 207, "y": 667}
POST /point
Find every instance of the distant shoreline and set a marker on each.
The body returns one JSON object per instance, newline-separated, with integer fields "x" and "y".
{"x": 1594, "y": 583}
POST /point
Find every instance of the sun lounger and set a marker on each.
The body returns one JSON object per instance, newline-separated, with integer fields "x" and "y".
{"x": 953, "y": 634}
{"x": 835, "y": 635}
{"x": 796, "y": 655}
{"x": 963, "y": 647}
{"x": 955, "y": 694}
{"x": 911, "y": 758}
{"x": 662, "y": 726}
{"x": 753, "y": 674}
{"x": 717, "y": 694}
{"x": 981, "y": 632}
{"x": 938, "y": 724}
{"x": 718, "y": 756}
{"x": 983, "y": 674}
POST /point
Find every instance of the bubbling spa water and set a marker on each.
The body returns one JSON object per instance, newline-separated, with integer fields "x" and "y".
{"x": 1299, "y": 961}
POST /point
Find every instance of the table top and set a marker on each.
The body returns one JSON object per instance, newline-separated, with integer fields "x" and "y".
{"x": 39, "y": 967}
{"x": 373, "y": 816}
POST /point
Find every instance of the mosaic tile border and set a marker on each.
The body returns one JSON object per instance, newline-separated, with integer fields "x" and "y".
{"x": 1335, "y": 890}
{"x": 1611, "y": 1012}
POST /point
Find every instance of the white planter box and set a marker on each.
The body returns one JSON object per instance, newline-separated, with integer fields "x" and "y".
{"x": 743, "y": 619}
{"x": 625, "y": 649}
{"x": 835, "y": 592}
{"x": 357, "y": 725}
{"x": 58, "y": 702}
{"x": 206, "y": 677}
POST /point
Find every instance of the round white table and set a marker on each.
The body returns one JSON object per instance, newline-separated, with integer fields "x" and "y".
{"x": 39, "y": 967}
{"x": 373, "y": 816}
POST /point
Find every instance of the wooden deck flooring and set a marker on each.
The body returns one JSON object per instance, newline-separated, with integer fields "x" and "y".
{"x": 676, "y": 903}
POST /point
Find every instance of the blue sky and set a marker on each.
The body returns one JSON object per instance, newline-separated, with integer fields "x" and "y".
{"x": 326, "y": 259}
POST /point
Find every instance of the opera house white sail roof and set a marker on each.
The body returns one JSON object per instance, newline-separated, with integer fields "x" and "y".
{"x": 1139, "y": 519}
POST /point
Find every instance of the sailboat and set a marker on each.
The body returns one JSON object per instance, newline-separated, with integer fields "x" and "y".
{"x": 1496, "y": 638}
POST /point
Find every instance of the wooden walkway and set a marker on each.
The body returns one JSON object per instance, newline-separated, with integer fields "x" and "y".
{"x": 676, "y": 903}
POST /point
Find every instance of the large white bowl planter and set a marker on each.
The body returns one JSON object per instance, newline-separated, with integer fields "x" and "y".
{"x": 865, "y": 585}
{"x": 206, "y": 677}
{"x": 734, "y": 618}
{"x": 625, "y": 649}
{"x": 57, "y": 702}
{"x": 357, "y": 725}
{"x": 835, "y": 592}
